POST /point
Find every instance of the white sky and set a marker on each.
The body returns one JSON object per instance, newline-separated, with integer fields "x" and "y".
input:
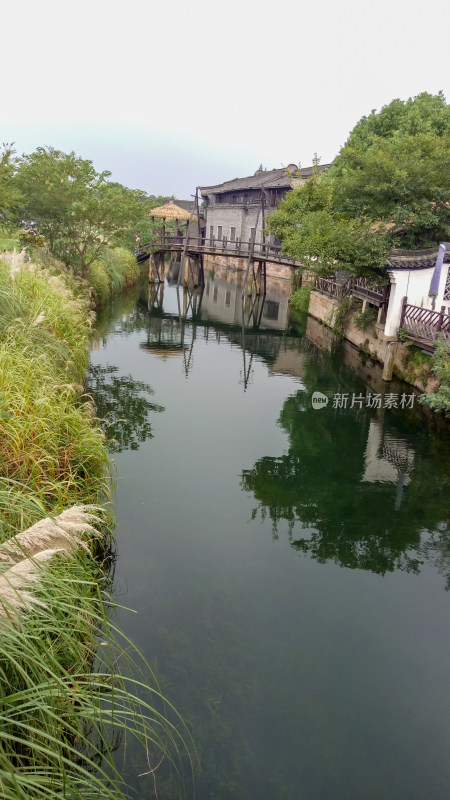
{"x": 170, "y": 95}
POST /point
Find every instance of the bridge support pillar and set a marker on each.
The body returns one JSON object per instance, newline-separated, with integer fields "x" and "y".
{"x": 192, "y": 270}
{"x": 156, "y": 268}
{"x": 151, "y": 269}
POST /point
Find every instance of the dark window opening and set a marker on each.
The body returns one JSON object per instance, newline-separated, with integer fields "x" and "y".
{"x": 271, "y": 310}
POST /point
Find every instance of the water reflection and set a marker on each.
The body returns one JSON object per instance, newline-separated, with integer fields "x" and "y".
{"x": 297, "y": 680}
{"x": 355, "y": 485}
{"x": 352, "y": 488}
{"x": 122, "y": 407}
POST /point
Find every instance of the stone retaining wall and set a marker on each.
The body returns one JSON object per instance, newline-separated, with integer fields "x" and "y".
{"x": 371, "y": 342}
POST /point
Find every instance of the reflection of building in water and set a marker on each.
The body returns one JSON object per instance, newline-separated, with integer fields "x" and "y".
{"x": 291, "y": 359}
{"x": 222, "y": 301}
{"x": 387, "y": 460}
{"x": 165, "y": 337}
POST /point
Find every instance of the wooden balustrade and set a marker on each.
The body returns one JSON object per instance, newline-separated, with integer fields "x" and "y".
{"x": 197, "y": 244}
{"x": 423, "y": 323}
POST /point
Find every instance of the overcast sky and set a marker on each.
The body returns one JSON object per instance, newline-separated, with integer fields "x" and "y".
{"x": 170, "y": 95}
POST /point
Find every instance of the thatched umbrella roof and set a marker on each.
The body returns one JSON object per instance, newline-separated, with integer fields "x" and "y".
{"x": 171, "y": 211}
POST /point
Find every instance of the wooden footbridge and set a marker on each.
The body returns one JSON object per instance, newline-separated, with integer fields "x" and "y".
{"x": 190, "y": 250}
{"x": 194, "y": 245}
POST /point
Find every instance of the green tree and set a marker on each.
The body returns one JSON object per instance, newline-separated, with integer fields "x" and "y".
{"x": 9, "y": 195}
{"x": 77, "y": 210}
{"x": 312, "y": 230}
{"x": 388, "y": 187}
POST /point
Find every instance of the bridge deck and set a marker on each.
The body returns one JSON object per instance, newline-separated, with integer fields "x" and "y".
{"x": 239, "y": 249}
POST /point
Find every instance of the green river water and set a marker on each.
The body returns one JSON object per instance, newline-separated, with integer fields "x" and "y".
{"x": 289, "y": 565}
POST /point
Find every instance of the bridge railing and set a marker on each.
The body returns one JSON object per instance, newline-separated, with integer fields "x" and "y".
{"x": 423, "y": 323}
{"x": 357, "y": 287}
{"x": 238, "y": 247}
{"x": 332, "y": 287}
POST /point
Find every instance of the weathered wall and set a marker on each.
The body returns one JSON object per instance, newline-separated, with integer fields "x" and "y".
{"x": 231, "y": 262}
{"x": 241, "y": 217}
{"x": 372, "y": 342}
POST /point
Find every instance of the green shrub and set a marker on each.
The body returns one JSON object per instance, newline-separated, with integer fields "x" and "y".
{"x": 364, "y": 319}
{"x": 299, "y": 300}
{"x": 98, "y": 279}
{"x": 113, "y": 265}
{"x": 416, "y": 365}
{"x": 342, "y": 314}
{"x": 129, "y": 266}
{"x": 440, "y": 367}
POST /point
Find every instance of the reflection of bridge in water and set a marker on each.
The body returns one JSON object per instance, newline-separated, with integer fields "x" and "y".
{"x": 188, "y": 253}
{"x": 218, "y": 310}
{"x": 215, "y": 311}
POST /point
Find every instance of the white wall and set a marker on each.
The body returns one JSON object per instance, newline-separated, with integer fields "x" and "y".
{"x": 243, "y": 218}
{"x": 415, "y": 285}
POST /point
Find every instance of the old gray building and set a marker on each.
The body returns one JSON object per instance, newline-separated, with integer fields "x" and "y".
{"x": 233, "y": 209}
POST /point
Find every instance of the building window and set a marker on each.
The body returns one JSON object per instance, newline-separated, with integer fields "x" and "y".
{"x": 219, "y": 232}
{"x": 211, "y": 232}
{"x": 232, "y": 234}
{"x": 227, "y": 298}
{"x": 252, "y": 234}
{"x": 271, "y": 310}
{"x": 216, "y": 289}
{"x": 207, "y": 287}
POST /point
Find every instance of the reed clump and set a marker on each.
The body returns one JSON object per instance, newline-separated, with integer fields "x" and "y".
{"x": 47, "y": 439}
{"x": 116, "y": 269}
{"x": 62, "y": 703}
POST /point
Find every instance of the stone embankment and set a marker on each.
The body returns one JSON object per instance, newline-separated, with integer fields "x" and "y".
{"x": 373, "y": 342}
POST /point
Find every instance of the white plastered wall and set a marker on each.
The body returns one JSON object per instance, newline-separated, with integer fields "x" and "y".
{"x": 415, "y": 285}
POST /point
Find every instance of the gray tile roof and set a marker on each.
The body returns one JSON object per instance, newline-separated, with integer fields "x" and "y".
{"x": 414, "y": 259}
{"x": 270, "y": 179}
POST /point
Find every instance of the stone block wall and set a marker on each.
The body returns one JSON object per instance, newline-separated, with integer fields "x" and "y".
{"x": 371, "y": 342}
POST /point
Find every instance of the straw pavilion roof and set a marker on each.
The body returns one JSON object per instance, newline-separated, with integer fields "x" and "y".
{"x": 171, "y": 211}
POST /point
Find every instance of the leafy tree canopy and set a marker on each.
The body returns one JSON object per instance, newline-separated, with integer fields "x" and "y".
{"x": 78, "y": 211}
{"x": 388, "y": 187}
{"x": 9, "y": 195}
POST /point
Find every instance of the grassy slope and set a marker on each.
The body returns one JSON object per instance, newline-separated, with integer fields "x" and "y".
{"x": 53, "y": 455}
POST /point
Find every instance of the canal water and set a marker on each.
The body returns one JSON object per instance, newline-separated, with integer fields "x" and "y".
{"x": 288, "y": 562}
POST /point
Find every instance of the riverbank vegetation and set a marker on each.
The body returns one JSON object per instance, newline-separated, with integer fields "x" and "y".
{"x": 388, "y": 187}
{"x": 58, "y": 202}
{"x": 63, "y": 703}
{"x": 439, "y": 400}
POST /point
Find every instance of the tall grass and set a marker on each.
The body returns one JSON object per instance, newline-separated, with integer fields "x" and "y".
{"x": 61, "y": 703}
{"x": 62, "y": 708}
{"x": 114, "y": 270}
{"x": 47, "y": 439}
